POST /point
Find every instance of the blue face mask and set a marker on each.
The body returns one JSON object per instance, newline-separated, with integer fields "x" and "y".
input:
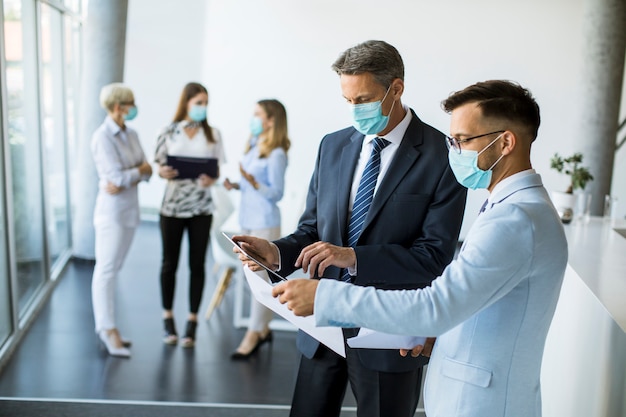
{"x": 132, "y": 113}
{"x": 368, "y": 118}
{"x": 197, "y": 113}
{"x": 465, "y": 167}
{"x": 256, "y": 126}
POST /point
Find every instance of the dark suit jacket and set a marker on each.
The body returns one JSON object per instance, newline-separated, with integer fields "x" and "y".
{"x": 411, "y": 230}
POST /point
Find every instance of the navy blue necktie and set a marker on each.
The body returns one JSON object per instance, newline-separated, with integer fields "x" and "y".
{"x": 484, "y": 206}
{"x": 364, "y": 195}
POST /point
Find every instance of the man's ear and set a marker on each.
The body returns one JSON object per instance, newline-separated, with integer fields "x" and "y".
{"x": 509, "y": 142}
{"x": 397, "y": 88}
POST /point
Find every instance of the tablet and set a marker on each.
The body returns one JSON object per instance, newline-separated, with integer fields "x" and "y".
{"x": 189, "y": 167}
{"x": 274, "y": 277}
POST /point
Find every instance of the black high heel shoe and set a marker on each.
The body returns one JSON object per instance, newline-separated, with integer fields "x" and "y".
{"x": 170, "y": 337}
{"x": 236, "y": 355}
{"x": 190, "y": 334}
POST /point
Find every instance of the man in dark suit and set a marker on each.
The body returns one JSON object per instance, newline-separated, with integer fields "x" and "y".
{"x": 384, "y": 210}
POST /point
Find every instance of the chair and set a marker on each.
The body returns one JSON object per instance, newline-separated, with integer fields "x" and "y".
{"x": 221, "y": 249}
{"x": 226, "y": 219}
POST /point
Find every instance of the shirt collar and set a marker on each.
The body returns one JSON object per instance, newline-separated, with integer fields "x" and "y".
{"x": 111, "y": 126}
{"x": 502, "y": 185}
{"x": 396, "y": 135}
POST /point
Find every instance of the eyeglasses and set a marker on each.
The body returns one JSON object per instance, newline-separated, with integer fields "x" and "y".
{"x": 455, "y": 143}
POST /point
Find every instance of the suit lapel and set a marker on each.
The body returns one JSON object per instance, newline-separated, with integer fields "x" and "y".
{"x": 406, "y": 155}
{"x": 349, "y": 157}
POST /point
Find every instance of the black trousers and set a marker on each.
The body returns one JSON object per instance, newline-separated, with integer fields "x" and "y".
{"x": 172, "y": 229}
{"x": 322, "y": 380}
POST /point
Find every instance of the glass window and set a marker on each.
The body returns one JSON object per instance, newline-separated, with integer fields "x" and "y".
{"x": 75, "y": 6}
{"x": 54, "y": 146}
{"x": 72, "y": 44}
{"x": 22, "y": 104}
{"x": 5, "y": 290}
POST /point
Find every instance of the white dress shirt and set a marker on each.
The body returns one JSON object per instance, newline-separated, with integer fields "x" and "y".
{"x": 386, "y": 155}
{"x": 117, "y": 154}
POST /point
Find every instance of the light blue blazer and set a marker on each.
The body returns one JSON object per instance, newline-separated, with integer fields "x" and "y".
{"x": 490, "y": 309}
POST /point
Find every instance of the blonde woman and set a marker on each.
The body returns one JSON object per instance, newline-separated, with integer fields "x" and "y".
{"x": 187, "y": 204}
{"x": 121, "y": 165}
{"x": 262, "y": 185}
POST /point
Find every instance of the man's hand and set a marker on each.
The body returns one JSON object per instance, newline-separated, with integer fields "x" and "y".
{"x": 425, "y": 350}
{"x": 297, "y": 294}
{"x": 320, "y": 255}
{"x": 260, "y": 249}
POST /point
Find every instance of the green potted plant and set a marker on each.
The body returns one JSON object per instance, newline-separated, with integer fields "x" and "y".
{"x": 579, "y": 177}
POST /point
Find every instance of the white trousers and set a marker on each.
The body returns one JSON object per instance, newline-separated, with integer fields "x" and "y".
{"x": 260, "y": 316}
{"x": 112, "y": 244}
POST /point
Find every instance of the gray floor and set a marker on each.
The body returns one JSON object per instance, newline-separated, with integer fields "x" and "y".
{"x": 60, "y": 357}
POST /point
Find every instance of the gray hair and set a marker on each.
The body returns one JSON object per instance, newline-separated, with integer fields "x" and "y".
{"x": 115, "y": 93}
{"x": 379, "y": 58}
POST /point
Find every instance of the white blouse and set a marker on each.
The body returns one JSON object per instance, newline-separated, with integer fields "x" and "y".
{"x": 117, "y": 154}
{"x": 186, "y": 198}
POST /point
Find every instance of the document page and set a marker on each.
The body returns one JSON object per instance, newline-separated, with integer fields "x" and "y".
{"x": 370, "y": 339}
{"x": 332, "y": 337}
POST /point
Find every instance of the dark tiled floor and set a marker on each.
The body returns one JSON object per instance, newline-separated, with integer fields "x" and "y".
{"x": 60, "y": 357}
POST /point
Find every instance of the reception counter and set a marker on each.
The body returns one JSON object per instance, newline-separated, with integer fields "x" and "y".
{"x": 584, "y": 363}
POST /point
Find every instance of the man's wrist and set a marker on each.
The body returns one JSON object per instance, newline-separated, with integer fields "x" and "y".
{"x": 277, "y": 266}
{"x": 352, "y": 269}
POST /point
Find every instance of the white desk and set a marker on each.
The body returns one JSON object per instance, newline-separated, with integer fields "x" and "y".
{"x": 584, "y": 362}
{"x": 597, "y": 253}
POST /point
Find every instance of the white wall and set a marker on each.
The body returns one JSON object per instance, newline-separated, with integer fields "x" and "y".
{"x": 165, "y": 48}
{"x": 247, "y": 50}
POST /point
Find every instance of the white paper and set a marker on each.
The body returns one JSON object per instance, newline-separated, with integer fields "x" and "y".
{"x": 371, "y": 339}
{"x": 332, "y": 337}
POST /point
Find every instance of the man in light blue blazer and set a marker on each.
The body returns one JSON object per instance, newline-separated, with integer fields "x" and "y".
{"x": 405, "y": 236}
{"x": 492, "y": 306}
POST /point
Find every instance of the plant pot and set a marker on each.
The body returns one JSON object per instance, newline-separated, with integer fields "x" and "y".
{"x": 564, "y": 204}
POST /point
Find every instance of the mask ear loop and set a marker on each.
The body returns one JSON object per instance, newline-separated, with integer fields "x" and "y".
{"x": 392, "y": 104}
{"x": 386, "y": 93}
{"x": 490, "y": 143}
{"x": 487, "y": 147}
{"x": 494, "y": 164}
{"x": 390, "y": 110}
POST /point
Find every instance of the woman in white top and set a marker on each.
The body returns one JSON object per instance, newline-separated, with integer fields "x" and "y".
{"x": 121, "y": 165}
{"x": 262, "y": 186}
{"x": 187, "y": 204}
